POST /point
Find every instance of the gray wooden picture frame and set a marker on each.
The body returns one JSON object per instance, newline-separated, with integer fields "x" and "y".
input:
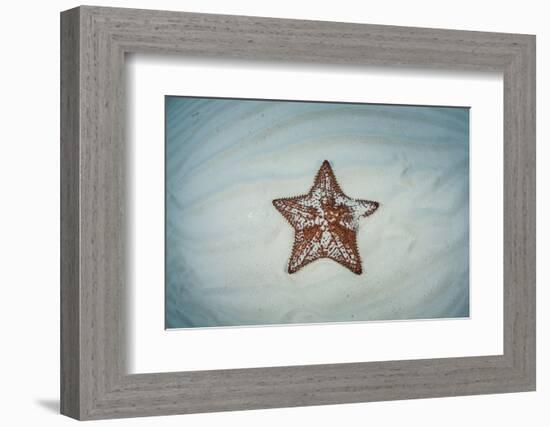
{"x": 94, "y": 382}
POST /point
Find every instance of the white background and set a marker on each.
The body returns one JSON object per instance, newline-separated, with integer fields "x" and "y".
{"x": 152, "y": 349}
{"x": 29, "y": 233}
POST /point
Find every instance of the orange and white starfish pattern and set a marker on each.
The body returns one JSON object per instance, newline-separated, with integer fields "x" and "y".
{"x": 325, "y": 222}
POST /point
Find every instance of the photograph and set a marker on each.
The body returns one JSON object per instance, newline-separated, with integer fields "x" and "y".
{"x": 297, "y": 212}
{"x": 275, "y": 213}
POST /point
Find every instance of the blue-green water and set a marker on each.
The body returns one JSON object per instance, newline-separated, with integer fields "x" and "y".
{"x": 227, "y": 247}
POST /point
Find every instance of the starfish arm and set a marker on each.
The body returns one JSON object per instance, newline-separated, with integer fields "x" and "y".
{"x": 342, "y": 248}
{"x": 307, "y": 248}
{"x": 360, "y": 208}
{"x": 295, "y": 211}
{"x": 325, "y": 182}
{"x": 369, "y": 207}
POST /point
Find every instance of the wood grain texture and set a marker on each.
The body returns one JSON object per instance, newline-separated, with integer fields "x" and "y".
{"x": 94, "y": 380}
{"x": 70, "y": 292}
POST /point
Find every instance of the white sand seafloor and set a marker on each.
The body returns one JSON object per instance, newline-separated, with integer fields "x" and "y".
{"x": 227, "y": 247}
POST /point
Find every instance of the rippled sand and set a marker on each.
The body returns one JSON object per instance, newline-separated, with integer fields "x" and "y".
{"x": 227, "y": 248}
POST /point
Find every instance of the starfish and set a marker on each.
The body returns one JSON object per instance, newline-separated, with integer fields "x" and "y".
{"x": 325, "y": 222}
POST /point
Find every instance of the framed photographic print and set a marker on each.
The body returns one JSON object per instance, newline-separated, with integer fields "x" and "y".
{"x": 262, "y": 213}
